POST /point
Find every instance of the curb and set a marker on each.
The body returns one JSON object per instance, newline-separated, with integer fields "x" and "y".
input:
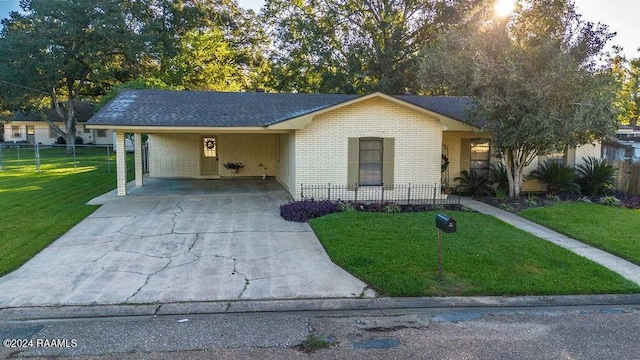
{"x": 382, "y": 306}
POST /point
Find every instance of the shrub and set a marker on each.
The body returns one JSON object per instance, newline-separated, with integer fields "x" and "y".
{"x": 498, "y": 177}
{"x": 595, "y": 176}
{"x": 507, "y": 207}
{"x": 301, "y": 211}
{"x": 393, "y": 208}
{"x": 501, "y": 193}
{"x": 553, "y": 197}
{"x": 473, "y": 184}
{"x": 585, "y": 199}
{"x": 345, "y": 206}
{"x": 556, "y": 177}
{"x": 610, "y": 200}
{"x": 627, "y": 200}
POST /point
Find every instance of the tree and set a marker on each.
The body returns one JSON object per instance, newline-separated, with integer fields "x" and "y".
{"x": 64, "y": 49}
{"x": 203, "y": 44}
{"x": 204, "y": 62}
{"x": 354, "y": 46}
{"x": 536, "y": 84}
{"x": 627, "y": 74}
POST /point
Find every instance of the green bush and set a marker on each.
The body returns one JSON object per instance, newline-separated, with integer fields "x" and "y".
{"x": 610, "y": 201}
{"x": 557, "y": 177}
{"x": 470, "y": 183}
{"x": 595, "y": 176}
{"x": 498, "y": 177}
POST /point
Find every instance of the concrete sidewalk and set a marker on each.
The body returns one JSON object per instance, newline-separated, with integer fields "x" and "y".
{"x": 623, "y": 267}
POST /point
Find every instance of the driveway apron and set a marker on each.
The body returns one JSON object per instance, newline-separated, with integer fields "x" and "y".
{"x": 176, "y": 248}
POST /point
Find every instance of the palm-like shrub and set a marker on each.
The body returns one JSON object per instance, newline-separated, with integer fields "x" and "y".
{"x": 557, "y": 177}
{"x": 595, "y": 176}
{"x": 470, "y": 183}
{"x": 498, "y": 176}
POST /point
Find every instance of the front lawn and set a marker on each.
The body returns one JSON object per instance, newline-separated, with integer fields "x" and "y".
{"x": 613, "y": 229}
{"x": 37, "y": 207}
{"x": 396, "y": 254}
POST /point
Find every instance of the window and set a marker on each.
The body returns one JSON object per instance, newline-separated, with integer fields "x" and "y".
{"x": 559, "y": 157}
{"x": 101, "y": 133}
{"x": 370, "y": 170}
{"x": 480, "y": 155}
{"x": 31, "y": 130}
{"x": 86, "y": 131}
{"x": 15, "y": 131}
{"x": 210, "y": 149}
{"x": 370, "y": 161}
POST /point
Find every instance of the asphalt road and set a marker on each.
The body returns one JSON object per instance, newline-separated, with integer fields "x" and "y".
{"x": 532, "y": 333}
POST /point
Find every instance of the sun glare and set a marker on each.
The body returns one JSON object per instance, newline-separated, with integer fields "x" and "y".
{"x": 504, "y": 7}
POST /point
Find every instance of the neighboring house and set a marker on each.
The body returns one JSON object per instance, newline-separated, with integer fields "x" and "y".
{"x": 310, "y": 139}
{"x": 628, "y": 135}
{"x": 32, "y": 128}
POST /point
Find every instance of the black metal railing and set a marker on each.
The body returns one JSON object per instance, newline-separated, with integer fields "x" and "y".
{"x": 409, "y": 194}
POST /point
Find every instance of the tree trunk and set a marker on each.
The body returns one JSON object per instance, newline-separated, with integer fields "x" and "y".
{"x": 515, "y": 162}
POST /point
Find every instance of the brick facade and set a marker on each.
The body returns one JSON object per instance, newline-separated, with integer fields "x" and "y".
{"x": 321, "y": 148}
{"x": 179, "y": 155}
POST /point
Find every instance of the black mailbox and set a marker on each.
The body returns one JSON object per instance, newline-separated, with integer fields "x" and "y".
{"x": 445, "y": 223}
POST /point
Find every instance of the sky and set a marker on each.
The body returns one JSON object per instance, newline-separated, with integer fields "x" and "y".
{"x": 620, "y": 15}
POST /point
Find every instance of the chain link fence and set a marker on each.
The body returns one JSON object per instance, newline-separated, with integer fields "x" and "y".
{"x": 34, "y": 158}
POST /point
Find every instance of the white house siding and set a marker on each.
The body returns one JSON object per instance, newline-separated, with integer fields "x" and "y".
{"x": 178, "y": 155}
{"x": 588, "y": 150}
{"x": 321, "y": 148}
{"x": 285, "y": 165}
{"x": 43, "y": 133}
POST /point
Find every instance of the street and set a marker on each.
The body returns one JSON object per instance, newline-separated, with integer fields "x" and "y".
{"x": 587, "y": 332}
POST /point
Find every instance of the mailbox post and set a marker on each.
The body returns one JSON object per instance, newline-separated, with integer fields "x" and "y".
{"x": 448, "y": 225}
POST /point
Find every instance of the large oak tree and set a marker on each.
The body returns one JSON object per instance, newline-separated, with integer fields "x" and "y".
{"x": 355, "y": 46}
{"x": 64, "y": 50}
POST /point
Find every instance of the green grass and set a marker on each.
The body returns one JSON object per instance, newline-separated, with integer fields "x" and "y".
{"x": 397, "y": 254}
{"x": 37, "y": 207}
{"x": 615, "y": 230}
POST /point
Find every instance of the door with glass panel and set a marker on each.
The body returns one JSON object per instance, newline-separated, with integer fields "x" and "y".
{"x": 209, "y": 155}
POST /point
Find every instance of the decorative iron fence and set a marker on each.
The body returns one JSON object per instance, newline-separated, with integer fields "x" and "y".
{"x": 410, "y": 194}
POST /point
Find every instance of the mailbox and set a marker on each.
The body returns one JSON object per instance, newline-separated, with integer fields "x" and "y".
{"x": 445, "y": 223}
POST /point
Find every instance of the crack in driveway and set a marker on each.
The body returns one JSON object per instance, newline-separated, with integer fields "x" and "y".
{"x": 148, "y": 278}
{"x": 246, "y": 279}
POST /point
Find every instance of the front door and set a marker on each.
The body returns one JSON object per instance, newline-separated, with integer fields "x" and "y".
{"x": 31, "y": 134}
{"x": 209, "y": 158}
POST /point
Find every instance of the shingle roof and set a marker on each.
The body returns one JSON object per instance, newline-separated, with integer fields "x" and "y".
{"x": 455, "y": 107}
{"x": 226, "y": 109}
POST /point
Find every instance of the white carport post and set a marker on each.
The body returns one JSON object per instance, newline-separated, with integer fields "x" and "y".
{"x": 137, "y": 150}
{"x": 121, "y": 164}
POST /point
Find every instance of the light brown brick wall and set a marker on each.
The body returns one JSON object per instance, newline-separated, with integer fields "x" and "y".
{"x": 256, "y": 151}
{"x": 174, "y": 155}
{"x": 321, "y": 147}
{"x": 285, "y": 163}
{"x": 178, "y": 155}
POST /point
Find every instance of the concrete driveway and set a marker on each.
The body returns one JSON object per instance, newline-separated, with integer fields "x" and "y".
{"x": 175, "y": 241}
